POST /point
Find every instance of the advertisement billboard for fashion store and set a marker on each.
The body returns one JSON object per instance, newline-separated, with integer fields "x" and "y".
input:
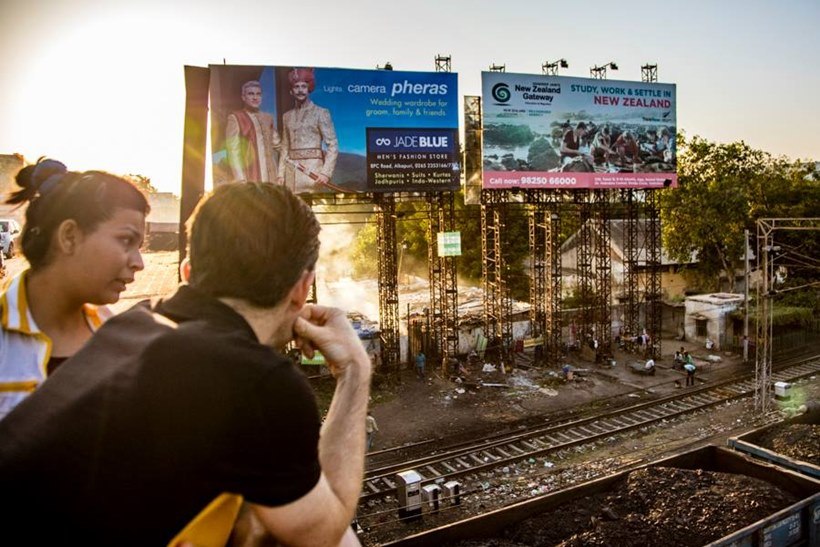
{"x": 320, "y": 130}
{"x": 565, "y": 132}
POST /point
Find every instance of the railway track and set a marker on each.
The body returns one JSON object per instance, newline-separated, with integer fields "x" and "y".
{"x": 538, "y": 441}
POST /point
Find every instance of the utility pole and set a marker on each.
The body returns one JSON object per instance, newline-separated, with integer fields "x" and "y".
{"x": 746, "y": 300}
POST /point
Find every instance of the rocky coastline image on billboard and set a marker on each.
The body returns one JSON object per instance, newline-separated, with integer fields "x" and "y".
{"x": 566, "y": 132}
{"x": 319, "y": 130}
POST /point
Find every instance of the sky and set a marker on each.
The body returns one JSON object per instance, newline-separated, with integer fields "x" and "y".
{"x": 99, "y": 84}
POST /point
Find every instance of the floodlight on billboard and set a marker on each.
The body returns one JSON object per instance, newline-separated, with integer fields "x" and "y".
{"x": 563, "y": 132}
{"x": 320, "y": 130}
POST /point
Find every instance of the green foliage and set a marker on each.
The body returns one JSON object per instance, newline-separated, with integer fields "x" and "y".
{"x": 723, "y": 189}
{"x": 783, "y": 315}
{"x": 791, "y": 316}
{"x": 576, "y": 300}
{"x": 364, "y": 255}
{"x": 468, "y": 218}
{"x": 143, "y": 183}
{"x": 508, "y": 135}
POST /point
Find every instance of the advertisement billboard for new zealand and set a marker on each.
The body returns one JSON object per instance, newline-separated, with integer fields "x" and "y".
{"x": 321, "y": 130}
{"x": 564, "y": 132}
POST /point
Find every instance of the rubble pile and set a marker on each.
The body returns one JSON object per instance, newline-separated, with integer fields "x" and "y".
{"x": 657, "y": 506}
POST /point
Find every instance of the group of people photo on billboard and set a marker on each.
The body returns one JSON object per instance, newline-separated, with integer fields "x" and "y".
{"x": 567, "y": 132}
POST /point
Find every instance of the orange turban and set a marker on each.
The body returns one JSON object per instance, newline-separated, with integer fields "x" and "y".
{"x": 302, "y": 75}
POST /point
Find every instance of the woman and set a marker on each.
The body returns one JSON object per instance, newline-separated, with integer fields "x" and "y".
{"x": 82, "y": 239}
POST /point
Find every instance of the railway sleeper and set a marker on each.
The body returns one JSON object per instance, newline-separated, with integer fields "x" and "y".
{"x": 588, "y": 432}
{"x": 490, "y": 455}
{"x": 463, "y": 463}
{"x": 601, "y": 427}
{"x": 449, "y": 467}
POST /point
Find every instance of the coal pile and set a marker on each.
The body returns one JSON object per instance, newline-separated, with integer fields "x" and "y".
{"x": 650, "y": 507}
{"x": 798, "y": 441}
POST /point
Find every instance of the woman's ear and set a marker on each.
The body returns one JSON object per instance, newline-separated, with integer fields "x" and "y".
{"x": 68, "y": 236}
{"x": 185, "y": 270}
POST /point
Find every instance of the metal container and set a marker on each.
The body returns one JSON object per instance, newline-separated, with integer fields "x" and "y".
{"x": 749, "y": 443}
{"x": 798, "y": 524}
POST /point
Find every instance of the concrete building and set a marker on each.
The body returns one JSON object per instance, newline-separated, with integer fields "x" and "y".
{"x": 708, "y": 316}
{"x": 672, "y": 281}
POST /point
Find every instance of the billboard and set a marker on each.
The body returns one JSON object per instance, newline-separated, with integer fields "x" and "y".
{"x": 564, "y": 132}
{"x": 321, "y": 130}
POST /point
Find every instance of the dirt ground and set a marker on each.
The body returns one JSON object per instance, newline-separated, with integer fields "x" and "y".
{"x": 436, "y": 409}
{"x": 440, "y": 408}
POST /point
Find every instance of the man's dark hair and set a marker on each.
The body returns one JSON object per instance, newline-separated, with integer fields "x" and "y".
{"x": 251, "y": 241}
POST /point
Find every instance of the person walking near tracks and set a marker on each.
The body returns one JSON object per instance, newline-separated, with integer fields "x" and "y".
{"x": 420, "y": 361}
{"x": 177, "y": 404}
{"x": 690, "y": 368}
{"x": 370, "y": 427}
{"x": 82, "y": 239}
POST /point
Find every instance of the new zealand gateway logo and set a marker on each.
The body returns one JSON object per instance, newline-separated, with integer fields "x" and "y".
{"x": 501, "y": 92}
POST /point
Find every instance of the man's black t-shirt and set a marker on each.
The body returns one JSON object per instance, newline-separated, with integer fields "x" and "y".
{"x": 156, "y": 416}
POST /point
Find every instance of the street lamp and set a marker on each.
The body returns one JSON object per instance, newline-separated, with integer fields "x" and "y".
{"x": 551, "y": 69}
{"x": 599, "y": 72}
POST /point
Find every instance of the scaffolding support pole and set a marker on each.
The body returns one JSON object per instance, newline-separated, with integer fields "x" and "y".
{"x": 586, "y": 281}
{"x": 497, "y": 301}
{"x": 632, "y": 311}
{"x": 538, "y": 219}
{"x": 388, "y": 283}
{"x": 603, "y": 274}
{"x": 443, "y": 277}
{"x": 654, "y": 311}
{"x": 552, "y": 342}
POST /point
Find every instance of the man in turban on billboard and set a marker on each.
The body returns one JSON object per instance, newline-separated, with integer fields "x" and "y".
{"x": 251, "y": 138}
{"x": 306, "y": 165}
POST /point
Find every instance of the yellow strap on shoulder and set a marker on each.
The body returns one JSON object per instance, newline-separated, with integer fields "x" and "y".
{"x": 212, "y": 526}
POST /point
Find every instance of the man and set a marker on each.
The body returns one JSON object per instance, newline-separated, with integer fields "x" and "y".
{"x": 627, "y": 148}
{"x": 420, "y": 362}
{"x": 304, "y": 165}
{"x": 690, "y": 368}
{"x": 371, "y": 427}
{"x": 679, "y": 360}
{"x": 571, "y": 144}
{"x": 602, "y": 146}
{"x": 251, "y": 138}
{"x": 169, "y": 407}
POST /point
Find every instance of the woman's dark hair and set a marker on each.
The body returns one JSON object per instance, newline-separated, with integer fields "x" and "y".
{"x": 251, "y": 241}
{"x": 55, "y": 194}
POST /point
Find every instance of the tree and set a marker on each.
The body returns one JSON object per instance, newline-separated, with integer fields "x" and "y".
{"x": 364, "y": 254}
{"x": 722, "y": 190}
{"x": 143, "y": 183}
